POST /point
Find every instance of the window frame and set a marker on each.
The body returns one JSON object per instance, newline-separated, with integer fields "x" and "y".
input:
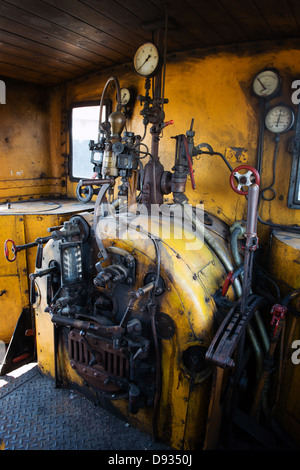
{"x": 81, "y": 104}
{"x": 294, "y": 187}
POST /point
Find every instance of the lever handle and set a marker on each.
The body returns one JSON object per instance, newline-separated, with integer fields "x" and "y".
{"x": 253, "y": 194}
{"x": 167, "y": 123}
{"x": 32, "y": 290}
{"x": 39, "y": 256}
{"x": 13, "y": 249}
{"x": 16, "y": 248}
{"x": 189, "y": 160}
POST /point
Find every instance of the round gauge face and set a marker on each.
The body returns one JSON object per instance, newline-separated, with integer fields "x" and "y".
{"x": 266, "y": 83}
{"x": 125, "y": 96}
{"x": 146, "y": 60}
{"x": 279, "y": 119}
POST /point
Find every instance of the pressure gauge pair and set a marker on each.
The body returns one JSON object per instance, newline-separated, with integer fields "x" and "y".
{"x": 279, "y": 118}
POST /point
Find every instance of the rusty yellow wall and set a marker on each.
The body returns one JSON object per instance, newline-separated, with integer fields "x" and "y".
{"x": 29, "y": 142}
{"x": 214, "y": 88}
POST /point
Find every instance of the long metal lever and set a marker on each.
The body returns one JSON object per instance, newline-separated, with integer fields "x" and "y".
{"x": 251, "y": 242}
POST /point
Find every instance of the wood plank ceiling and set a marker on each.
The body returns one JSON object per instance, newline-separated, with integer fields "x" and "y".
{"x": 50, "y": 41}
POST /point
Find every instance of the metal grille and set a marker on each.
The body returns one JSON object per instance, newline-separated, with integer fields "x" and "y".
{"x": 112, "y": 362}
{"x": 98, "y": 362}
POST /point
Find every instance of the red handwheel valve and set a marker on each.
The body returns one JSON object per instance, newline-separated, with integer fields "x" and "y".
{"x": 244, "y": 180}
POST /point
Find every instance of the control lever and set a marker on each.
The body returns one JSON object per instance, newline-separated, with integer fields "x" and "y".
{"x": 189, "y": 160}
{"x": 39, "y": 253}
{"x": 32, "y": 278}
{"x": 167, "y": 123}
{"x": 231, "y": 277}
{"x": 93, "y": 361}
{"x": 278, "y": 314}
{"x": 39, "y": 242}
{"x": 251, "y": 242}
{"x": 231, "y": 334}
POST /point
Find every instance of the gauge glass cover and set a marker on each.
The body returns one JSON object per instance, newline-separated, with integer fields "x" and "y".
{"x": 125, "y": 96}
{"x": 146, "y": 59}
{"x": 279, "y": 119}
{"x": 266, "y": 83}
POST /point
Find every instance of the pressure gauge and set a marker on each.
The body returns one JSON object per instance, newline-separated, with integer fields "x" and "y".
{"x": 266, "y": 84}
{"x": 146, "y": 60}
{"x": 125, "y": 96}
{"x": 279, "y": 119}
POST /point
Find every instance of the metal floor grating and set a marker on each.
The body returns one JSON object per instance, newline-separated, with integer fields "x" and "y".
{"x": 34, "y": 415}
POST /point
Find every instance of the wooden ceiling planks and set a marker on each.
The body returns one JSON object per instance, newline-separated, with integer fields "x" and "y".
{"x": 23, "y": 32}
{"x": 280, "y": 18}
{"x": 251, "y": 21}
{"x": 193, "y": 30}
{"x": 108, "y": 17}
{"x": 63, "y": 30}
{"x": 219, "y": 20}
{"x": 26, "y": 49}
{"x": 50, "y": 41}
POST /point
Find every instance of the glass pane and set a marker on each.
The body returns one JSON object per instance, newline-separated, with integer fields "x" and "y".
{"x": 297, "y": 184}
{"x": 294, "y": 188}
{"x": 85, "y": 122}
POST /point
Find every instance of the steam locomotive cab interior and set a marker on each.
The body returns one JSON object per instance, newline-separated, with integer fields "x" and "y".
{"x": 151, "y": 235}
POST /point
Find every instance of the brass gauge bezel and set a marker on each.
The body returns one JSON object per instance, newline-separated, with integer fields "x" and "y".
{"x": 274, "y": 113}
{"x": 267, "y": 84}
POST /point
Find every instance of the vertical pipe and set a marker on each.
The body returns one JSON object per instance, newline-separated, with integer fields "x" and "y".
{"x": 155, "y": 131}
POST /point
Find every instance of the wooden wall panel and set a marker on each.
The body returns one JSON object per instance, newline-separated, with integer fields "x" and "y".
{"x": 30, "y": 127}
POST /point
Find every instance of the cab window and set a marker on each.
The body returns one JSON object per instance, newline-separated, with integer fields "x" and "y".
{"x": 84, "y": 122}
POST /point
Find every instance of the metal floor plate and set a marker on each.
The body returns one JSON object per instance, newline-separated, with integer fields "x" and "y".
{"x": 34, "y": 415}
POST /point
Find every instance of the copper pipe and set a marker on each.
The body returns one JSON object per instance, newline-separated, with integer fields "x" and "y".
{"x": 96, "y": 182}
{"x": 119, "y": 105}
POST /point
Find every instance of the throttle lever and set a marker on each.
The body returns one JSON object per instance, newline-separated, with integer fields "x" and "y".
{"x": 251, "y": 243}
{"x": 251, "y": 235}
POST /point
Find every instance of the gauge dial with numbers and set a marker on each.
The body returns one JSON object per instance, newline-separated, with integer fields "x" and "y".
{"x": 146, "y": 60}
{"x": 266, "y": 83}
{"x": 125, "y": 96}
{"x": 279, "y": 119}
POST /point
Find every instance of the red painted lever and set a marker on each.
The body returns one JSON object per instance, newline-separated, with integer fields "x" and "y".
{"x": 167, "y": 123}
{"x": 189, "y": 163}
